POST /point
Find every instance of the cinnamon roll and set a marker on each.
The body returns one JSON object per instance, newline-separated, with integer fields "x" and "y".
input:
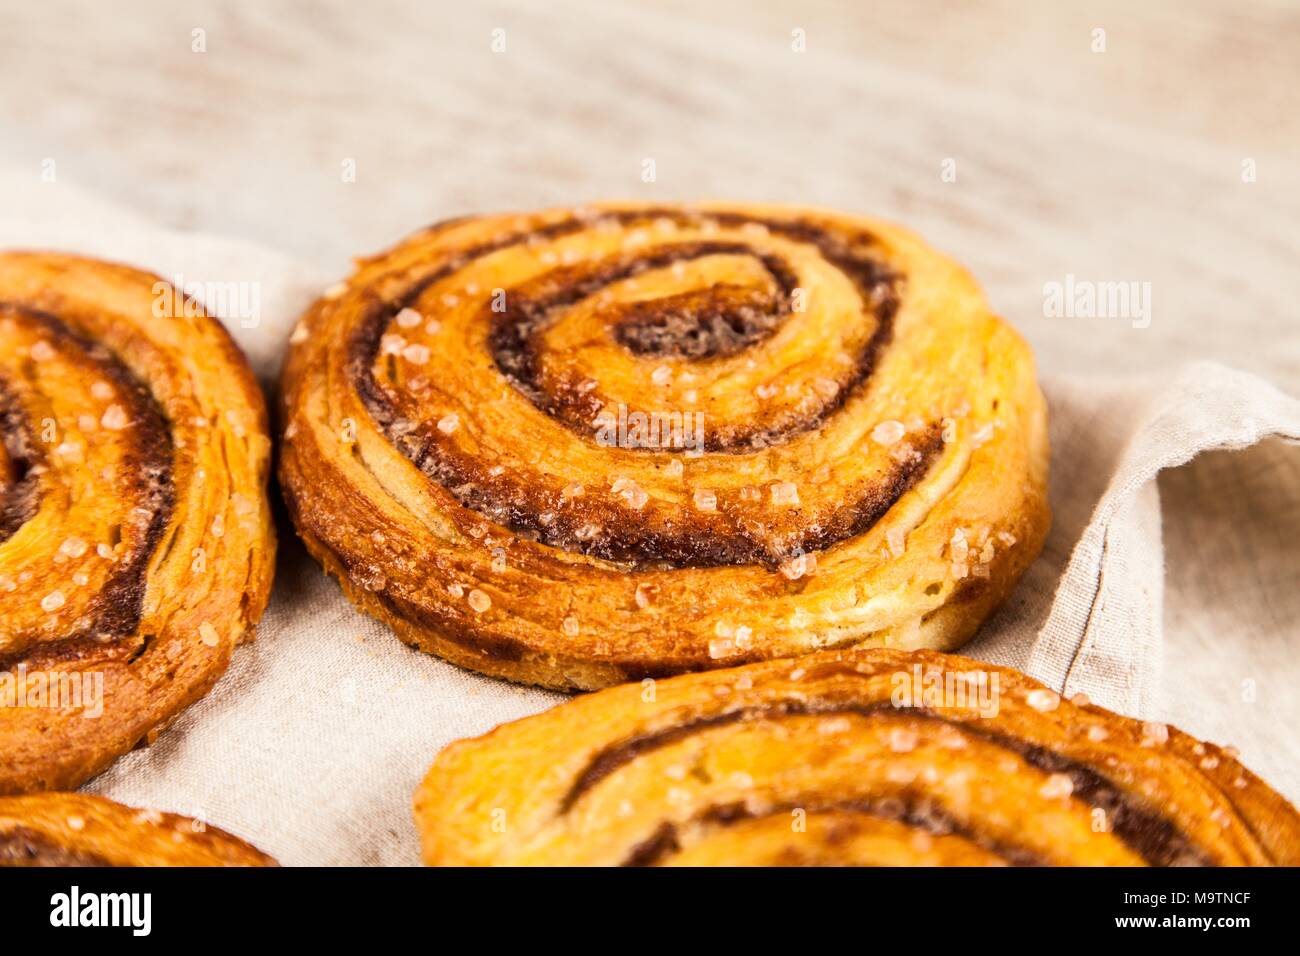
{"x": 585, "y": 446}
{"x": 72, "y": 829}
{"x": 846, "y": 757}
{"x": 136, "y": 547}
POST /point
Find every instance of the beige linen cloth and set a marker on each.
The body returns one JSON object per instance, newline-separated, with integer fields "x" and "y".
{"x": 313, "y": 742}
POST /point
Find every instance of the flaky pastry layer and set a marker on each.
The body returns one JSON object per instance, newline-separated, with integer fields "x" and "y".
{"x": 136, "y": 547}
{"x": 584, "y": 446}
{"x": 73, "y": 829}
{"x": 859, "y": 757}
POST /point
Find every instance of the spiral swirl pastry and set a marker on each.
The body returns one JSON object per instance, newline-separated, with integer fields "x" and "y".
{"x": 73, "y": 829}
{"x": 136, "y": 547}
{"x": 583, "y": 446}
{"x": 858, "y": 757}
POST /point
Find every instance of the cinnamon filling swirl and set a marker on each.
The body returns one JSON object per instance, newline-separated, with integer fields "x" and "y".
{"x": 145, "y": 481}
{"x": 1155, "y": 838}
{"x": 577, "y": 446}
{"x": 20, "y": 846}
{"x": 694, "y": 326}
{"x": 833, "y": 759}
{"x": 23, "y": 456}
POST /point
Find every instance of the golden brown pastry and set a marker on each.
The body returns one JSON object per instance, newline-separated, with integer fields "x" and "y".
{"x": 855, "y": 757}
{"x": 582, "y": 446}
{"x": 136, "y": 547}
{"x": 72, "y": 829}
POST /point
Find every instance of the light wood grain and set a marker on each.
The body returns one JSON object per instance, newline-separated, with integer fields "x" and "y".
{"x": 1117, "y": 165}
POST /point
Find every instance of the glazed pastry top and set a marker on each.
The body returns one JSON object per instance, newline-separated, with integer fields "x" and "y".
{"x": 136, "y": 546}
{"x": 860, "y": 757}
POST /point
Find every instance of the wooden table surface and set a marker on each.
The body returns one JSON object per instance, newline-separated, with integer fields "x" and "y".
{"x": 1123, "y": 165}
